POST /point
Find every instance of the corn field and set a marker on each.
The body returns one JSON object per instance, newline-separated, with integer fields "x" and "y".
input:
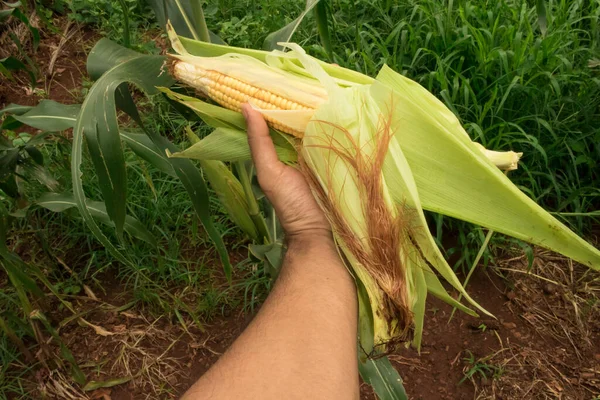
{"x": 453, "y": 146}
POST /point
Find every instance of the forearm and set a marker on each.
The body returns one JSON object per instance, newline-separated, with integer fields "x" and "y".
{"x": 303, "y": 340}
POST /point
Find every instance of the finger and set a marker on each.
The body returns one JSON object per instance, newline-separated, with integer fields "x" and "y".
{"x": 261, "y": 145}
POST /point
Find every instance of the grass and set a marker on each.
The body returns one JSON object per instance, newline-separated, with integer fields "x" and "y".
{"x": 12, "y": 372}
{"x": 480, "y": 368}
{"x": 513, "y": 84}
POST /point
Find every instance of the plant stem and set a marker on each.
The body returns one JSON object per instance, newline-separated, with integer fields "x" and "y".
{"x": 479, "y": 255}
{"x": 253, "y": 210}
{"x": 126, "y": 33}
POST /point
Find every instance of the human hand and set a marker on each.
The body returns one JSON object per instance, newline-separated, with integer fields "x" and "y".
{"x": 284, "y": 186}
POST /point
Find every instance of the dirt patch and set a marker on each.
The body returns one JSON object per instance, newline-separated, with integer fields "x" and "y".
{"x": 61, "y": 61}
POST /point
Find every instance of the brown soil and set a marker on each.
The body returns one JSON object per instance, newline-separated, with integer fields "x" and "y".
{"x": 60, "y": 80}
{"x": 538, "y": 347}
{"x": 545, "y": 342}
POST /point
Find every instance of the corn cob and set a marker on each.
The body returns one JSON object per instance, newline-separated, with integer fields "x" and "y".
{"x": 231, "y": 92}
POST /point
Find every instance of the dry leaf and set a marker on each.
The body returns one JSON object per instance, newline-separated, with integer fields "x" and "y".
{"x": 99, "y": 330}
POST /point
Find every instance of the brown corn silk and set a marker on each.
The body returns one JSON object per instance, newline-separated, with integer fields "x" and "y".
{"x": 383, "y": 253}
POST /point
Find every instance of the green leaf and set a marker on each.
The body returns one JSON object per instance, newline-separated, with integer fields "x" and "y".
{"x": 35, "y": 154}
{"x": 322, "y": 21}
{"x": 9, "y": 187}
{"x": 383, "y": 377}
{"x": 145, "y": 72}
{"x": 15, "y": 109}
{"x": 540, "y": 6}
{"x": 145, "y": 148}
{"x": 11, "y": 64}
{"x": 285, "y": 34}
{"x": 365, "y": 321}
{"x": 231, "y": 194}
{"x": 215, "y": 116}
{"x": 8, "y": 162}
{"x": 35, "y": 33}
{"x": 49, "y": 115}
{"x": 214, "y": 49}
{"x": 60, "y": 202}
{"x": 454, "y": 178}
{"x": 226, "y": 144}
{"x": 269, "y": 254}
{"x": 186, "y": 16}
{"x": 97, "y": 121}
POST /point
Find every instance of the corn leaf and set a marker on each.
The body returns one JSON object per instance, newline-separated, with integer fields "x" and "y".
{"x": 420, "y": 299}
{"x": 322, "y": 21}
{"x": 215, "y": 116}
{"x": 53, "y": 116}
{"x": 285, "y": 34}
{"x": 128, "y": 68}
{"x": 60, "y": 202}
{"x": 145, "y": 148}
{"x": 365, "y": 321}
{"x": 381, "y": 374}
{"x": 49, "y": 115}
{"x": 226, "y": 144}
{"x": 15, "y": 109}
{"x": 204, "y": 49}
{"x": 117, "y": 67}
{"x": 453, "y": 178}
{"x": 186, "y": 16}
{"x": 231, "y": 194}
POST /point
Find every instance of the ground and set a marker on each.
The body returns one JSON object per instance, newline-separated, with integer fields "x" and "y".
{"x": 544, "y": 341}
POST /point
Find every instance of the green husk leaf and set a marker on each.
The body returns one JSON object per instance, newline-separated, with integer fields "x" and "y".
{"x": 454, "y": 178}
{"x": 215, "y": 116}
{"x": 227, "y": 144}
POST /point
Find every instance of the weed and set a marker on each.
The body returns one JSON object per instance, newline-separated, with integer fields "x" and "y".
{"x": 479, "y": 368}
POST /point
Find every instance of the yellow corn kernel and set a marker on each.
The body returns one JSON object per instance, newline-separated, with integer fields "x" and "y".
{"x": 232, "y": 93}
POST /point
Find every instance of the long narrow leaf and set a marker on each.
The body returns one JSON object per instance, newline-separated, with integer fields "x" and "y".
{"x": 145, "y": 72}
{"x": 285, "y": 34}
{"x": 145, "y": 148}
{"x": 186, "y": 16}
{"x": 384, "y": 378}
{"x": 60, "y": 202}
{"x": 455, "y": 179}
{"x": 49, "y": 115}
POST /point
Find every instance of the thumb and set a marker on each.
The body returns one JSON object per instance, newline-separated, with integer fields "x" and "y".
{"x": 268, "y": 166}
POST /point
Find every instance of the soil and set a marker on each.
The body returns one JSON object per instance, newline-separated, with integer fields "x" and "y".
{"x": 538, "y": 346}
{"x": 544, "y": 342}
{"x": 60, "y": 80}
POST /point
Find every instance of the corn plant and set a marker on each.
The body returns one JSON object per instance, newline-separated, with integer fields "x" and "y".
{"x": 22, "y": 162}
{"x": 11, "y": 13}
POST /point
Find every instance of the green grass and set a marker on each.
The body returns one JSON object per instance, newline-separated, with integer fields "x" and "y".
{"x": 12, "y": 372}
